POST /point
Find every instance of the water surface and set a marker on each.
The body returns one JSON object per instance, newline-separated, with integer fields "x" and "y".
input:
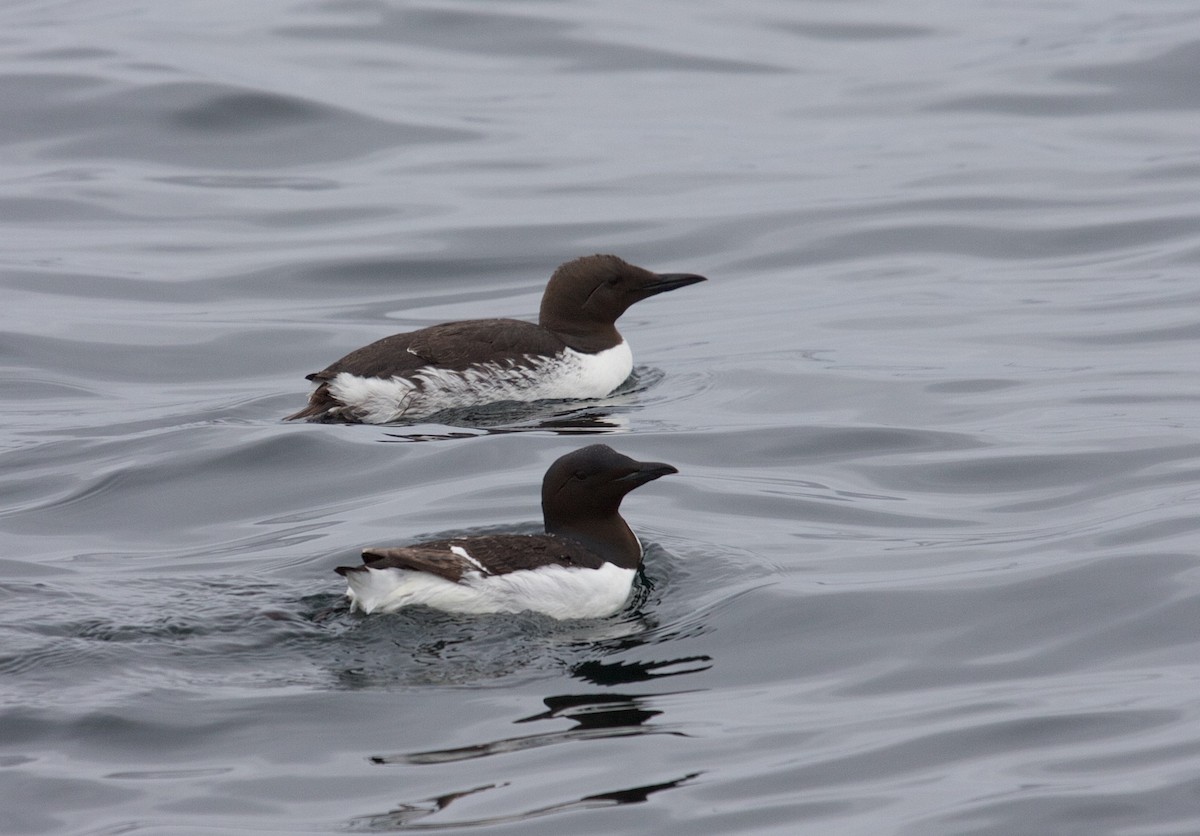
{"x": 930, "y": 562}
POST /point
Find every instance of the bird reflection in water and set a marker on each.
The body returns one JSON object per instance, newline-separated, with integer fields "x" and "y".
{"x": 596, "y": 716}
{"x": 408, "y": 816}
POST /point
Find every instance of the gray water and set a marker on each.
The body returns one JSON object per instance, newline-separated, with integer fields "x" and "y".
{"x": 930, "y": 563}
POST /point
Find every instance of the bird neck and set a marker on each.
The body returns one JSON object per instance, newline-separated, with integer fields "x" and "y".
{"x": 608, "y": 536}
{"x": 590, "y": 337}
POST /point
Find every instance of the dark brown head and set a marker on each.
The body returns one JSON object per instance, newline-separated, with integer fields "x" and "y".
{"x": 585, "y": 297}
{"x": 581, "y": 500}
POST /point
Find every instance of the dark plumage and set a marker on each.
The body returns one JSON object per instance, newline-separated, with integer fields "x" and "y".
{"x": 498, "y": 554}
{"x": 580, "y": 307}
{"x": 585, "y": 533}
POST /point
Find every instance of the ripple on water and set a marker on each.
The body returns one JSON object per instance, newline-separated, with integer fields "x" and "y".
{"x": 929, "y": 565}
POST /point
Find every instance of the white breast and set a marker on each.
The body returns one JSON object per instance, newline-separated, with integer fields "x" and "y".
{"x": 569, "y": 375}
{"x": 558, "y": 591}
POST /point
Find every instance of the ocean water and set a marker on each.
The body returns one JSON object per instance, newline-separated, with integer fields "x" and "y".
{"x": 931, "y": 564}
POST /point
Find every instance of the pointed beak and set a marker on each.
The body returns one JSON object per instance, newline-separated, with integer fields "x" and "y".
{"x": 662, "y": 282}
{"x": 647, "y": 472}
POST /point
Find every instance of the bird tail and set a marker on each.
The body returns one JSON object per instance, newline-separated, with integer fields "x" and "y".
{"x": 320, "y": 405}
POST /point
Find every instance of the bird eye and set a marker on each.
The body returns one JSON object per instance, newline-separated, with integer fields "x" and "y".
{"x": 613, "y": 281}
{"x": 579, "y": 474}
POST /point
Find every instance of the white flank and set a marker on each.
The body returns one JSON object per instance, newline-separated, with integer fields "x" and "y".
{"x": 572, "y": 374}
{"x": 557, "y": 591}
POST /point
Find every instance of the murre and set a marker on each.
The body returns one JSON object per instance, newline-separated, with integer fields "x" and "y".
{"x": 582, "y": 567}
{"x": 574, "y": 351}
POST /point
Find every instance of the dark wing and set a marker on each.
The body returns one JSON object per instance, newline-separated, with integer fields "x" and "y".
{"x": 502, "y": 553}
{"x": 454, "y": 346}
{"x": 415, "y": 559}
{"x": 497, "y": 553}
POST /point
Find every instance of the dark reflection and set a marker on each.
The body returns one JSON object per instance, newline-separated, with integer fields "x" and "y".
{"x": 506, "y": 418}
{"x": 621, "y": 673}
{"x": 596, "y": 711}
{"x": 596, "y": 717}
{"x": 636, "y": 795}
{"x": 407, "y": 813}
{"x": 593, "y": 423}
{"x": 560, "y": 417}
{"x": 407, "y": 816}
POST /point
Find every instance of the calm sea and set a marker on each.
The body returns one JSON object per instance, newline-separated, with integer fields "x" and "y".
{"x": 931, "y": 564}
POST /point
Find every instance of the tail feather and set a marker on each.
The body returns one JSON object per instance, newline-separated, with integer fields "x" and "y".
{"x": 320, "y": 405}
